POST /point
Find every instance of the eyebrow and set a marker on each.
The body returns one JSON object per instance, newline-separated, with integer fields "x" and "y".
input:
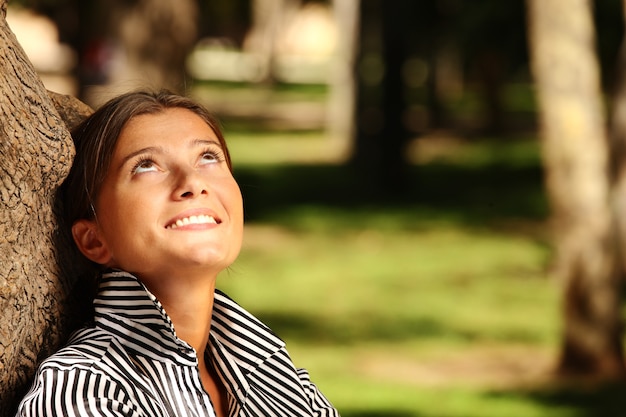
{"x": 146, "y": 150}
{"x": 161, "y": 150}
{"x": 204, "y": 142}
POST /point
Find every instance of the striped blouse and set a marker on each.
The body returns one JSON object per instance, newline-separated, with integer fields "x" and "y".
{"x": 131, "y": 363}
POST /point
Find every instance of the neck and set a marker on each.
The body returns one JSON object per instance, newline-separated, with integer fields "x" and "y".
{"x": 190, "y": 306}
{"x": 188, "y": 301}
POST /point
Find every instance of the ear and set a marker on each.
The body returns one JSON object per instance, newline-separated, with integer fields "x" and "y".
{"x": 89, "y": 242}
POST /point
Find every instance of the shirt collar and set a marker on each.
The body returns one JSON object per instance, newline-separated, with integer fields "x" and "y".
{"x": 125, "y": 307}
{"x": 239, "y": 343}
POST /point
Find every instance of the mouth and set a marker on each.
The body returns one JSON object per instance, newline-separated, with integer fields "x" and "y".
{"x": 192, "y": 220}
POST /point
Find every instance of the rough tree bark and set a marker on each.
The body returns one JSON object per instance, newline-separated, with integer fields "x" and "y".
{"x": 36, "y": 153}
{"x": 577, "y": 167}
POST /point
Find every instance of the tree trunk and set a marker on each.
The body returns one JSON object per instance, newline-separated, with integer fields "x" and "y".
{"x": 381, "y": 135}
{"x": 36, "y": 151}
{"x": 341, "y": 103}
{"x": 576, "y": 166}
{"x": 617, "y": 136}
{"x": 269, "y": 18}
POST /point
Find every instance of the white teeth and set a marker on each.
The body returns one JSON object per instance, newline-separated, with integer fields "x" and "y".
{"x": 201, "y": 219}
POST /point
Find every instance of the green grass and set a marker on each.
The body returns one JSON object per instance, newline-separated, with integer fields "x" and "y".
{"x": 439, "y": 305}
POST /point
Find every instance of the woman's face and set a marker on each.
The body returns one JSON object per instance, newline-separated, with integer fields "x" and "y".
{"x": 169, "y": 204}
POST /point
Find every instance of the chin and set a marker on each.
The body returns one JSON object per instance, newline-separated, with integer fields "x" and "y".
{"x": 212, "y": 261}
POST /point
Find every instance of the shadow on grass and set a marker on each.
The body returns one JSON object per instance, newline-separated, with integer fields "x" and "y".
{"x": 606, "y": 400}
{"x": 351, "y": 330}
{"x": 467, "y": 195}
{"x": 591, "y": 400}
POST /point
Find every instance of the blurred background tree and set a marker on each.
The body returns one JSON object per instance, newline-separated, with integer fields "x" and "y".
{"x": 576, "y": 163}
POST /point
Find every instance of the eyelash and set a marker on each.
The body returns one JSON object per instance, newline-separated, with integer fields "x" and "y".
{"x": 214, "y": 153}
{"x": 142, "y": 160}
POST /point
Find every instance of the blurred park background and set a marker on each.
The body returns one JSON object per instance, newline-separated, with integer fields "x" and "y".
{"x": 400, "y": 233}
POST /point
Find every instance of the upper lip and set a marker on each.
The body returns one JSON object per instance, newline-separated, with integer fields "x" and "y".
{"x": 192, "y": 212}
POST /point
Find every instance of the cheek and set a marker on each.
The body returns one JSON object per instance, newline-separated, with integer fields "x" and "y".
{"x": 124, "y": 214}
{"x": 233, "y": 202}
{"x": 231, "y": 195}
{"x": 238, "y": 202}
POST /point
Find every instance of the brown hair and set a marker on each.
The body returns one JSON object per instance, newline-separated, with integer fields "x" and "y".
{"x": 96, "y": 137}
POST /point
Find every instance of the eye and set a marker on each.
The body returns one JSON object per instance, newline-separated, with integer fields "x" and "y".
{"x": 144, "y": 165}
{"x": 210, "y": 157}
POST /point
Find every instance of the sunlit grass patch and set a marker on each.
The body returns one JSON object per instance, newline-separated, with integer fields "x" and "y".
{"x": 440, "y": 283}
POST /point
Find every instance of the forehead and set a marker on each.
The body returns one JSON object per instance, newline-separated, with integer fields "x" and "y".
{"x": 168, "y": 127}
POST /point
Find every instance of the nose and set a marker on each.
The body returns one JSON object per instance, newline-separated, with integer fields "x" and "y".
{"x": 189, "y": 184}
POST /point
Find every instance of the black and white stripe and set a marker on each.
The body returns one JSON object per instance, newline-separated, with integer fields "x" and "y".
{"x": 130, "y": 363}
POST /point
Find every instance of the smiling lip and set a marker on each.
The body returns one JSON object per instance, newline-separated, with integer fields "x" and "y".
{"x": 192, "y": 219}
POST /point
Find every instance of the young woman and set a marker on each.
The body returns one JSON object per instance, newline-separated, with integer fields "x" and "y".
{"x": 152, "y": 201}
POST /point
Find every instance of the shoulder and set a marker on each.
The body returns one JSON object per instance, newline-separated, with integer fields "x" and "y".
{"x": 86, "y": 347}
{"x": 93, "y": 362}
{"x": 91, "y": 353}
